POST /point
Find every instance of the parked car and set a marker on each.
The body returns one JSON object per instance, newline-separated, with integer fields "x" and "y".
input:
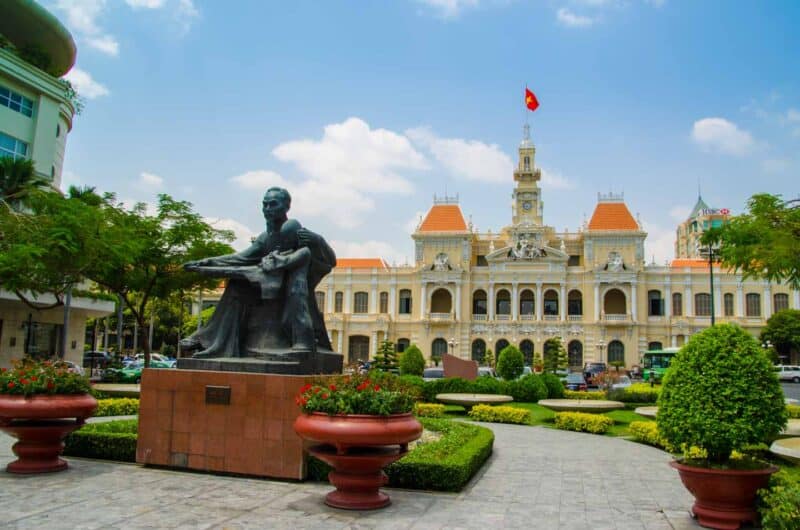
{"x": 486, "y": 371}
{"x": 96, "y": 359}
{"x": 575, "y": 381}
{"x": 788, "y": 373}
{"x": 158, "y": 357}
{"x": 72, "y": 367}
{"x": 593, "y": 371}
{"x": 429, "y": 374}
{"x": 623, "y": 382}
{"x": 132, "y": 373}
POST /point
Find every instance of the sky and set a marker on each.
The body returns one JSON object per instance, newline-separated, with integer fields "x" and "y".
{"x": 366, "y": 110}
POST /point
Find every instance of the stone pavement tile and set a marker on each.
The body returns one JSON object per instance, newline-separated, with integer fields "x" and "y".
{"x": 85, "y": 515}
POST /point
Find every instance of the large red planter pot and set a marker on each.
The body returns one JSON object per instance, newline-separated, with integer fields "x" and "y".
{"x": 358, "y": 447}
{"x": 724, "y": 498}
{"x": 41, "y": 423}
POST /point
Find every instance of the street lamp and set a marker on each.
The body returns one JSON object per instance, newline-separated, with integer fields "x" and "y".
{"x": 710, "y": 252}
{"x": 600, "y": 346}
{"x": 452, "y": 343}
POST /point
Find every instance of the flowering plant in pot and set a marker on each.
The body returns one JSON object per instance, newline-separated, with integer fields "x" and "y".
{"x": 360, "y": 425}
{"x": 719, "y": 395}
{"x": 40, "y": 404}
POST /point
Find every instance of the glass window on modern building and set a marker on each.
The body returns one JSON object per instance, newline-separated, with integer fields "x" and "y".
{"x": 727, "y": 302}
{"x": 752, "y": 305}
{"x": 655, "y": 304}
{"x": 702, "y": 305}
{"x": 10, "y": 146}
{"x": 780, "y": 302}
{"x": 677, "y": 304}
{"x": 383, "y": 302}
{"x": 360, "y": 302}
{"x": 338, "y": 300}
{"x": 405, "y": 302}
{"x": 15, "y": 101}
{"x": 320, "y": 296}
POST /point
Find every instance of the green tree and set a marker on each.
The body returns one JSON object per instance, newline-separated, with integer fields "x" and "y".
{"x": 488, "y": 358}
{"x": 17, "y": 179}
{"x": 764, "y": 242}
{"x": 538, "y": 363}
{"x": 412, "y": 362}
{"x": 555, "y": 356}
{"x": 783, "y": 331}
{"x": 386, "y": 357}
{"x": 190, "y": 324}
{"x": 510, "y": 363}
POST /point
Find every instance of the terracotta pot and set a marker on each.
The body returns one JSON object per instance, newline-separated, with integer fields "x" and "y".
{"x": 41, "y": 423}
{"x": 358, "y": 447}
{"x": 724, "y": 498}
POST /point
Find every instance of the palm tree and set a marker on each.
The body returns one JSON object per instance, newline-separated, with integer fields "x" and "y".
{"x": 17, "y": 179}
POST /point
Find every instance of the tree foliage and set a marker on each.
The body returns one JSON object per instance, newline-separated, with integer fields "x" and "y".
{"x": 510, "y": 363}
{"x": 764, "y": 242}
{"x": 783, "y": 331}
{"x": 488, "y": 358}
{"x": 386, "y": 357}
{"x": 555, "y": 356}
{"x": 412, "y": 362}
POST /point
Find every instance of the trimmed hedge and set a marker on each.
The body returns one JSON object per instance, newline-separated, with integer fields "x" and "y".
{"x": 500, "y": 414}
{"x": 793, "y": 411}
{"x": 527, "y": 389}
{"x": 555, "y": 388}
{"x": 117, "y": 407}
{"x": 429, "y": 410}
{"x": 582, "y": 394}
{"x": 636, "y": 393}
{"x": 583, "y": 422}
{"x": 113, "y": 440}
{"x": 646, "y": 432}
{"x": 446, "y": 464}
{"x": 779, "y": 503}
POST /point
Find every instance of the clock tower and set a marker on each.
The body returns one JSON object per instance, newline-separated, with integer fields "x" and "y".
{"x": 527, "y": 205}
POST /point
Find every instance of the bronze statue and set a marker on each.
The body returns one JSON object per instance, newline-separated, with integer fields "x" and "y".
{"x": 267, "y": 318}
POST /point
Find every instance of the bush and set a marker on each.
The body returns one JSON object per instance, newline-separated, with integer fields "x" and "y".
{"x": 647, "y": 432}
{"x": 500, "y": 414}
{"x": 113, "y": 440}
{"x": 582, "y": 394}
{"x": 583, "y": 422}
{"x": 779, "y": 504}
{"x": 446, "y": 464}
{"x": 510, "y": 363}
{"x": 636, "y": 393}
{"x": 528, "y": 389}
{"x": 117, "y": 407}
{"x": 720, "y": 394}
{"x": 445, "y": 385}
{"x": 793, "y": 411}
{"x": 555, "y": 388}
{"x": 412, "y": 362}
{"x": 487, "y": 385}
{"x": 429, "y": 410}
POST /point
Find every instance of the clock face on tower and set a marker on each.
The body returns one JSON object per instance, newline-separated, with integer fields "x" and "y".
{"x": 526, "y": 205}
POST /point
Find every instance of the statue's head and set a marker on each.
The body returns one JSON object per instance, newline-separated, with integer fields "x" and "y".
{"x": 276, "y": 203}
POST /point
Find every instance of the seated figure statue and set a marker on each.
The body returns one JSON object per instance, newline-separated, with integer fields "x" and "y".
{"x": 268, "y": 310}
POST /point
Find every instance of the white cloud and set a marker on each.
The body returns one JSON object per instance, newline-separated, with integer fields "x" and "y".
{"x": 243, "y": 233}
{"x": 186, "y": 14}
{"x": 465, "y": 159}
{"x": 723, "y": 136}
{"x": 257, "y": 180}
{"x": 368, "y": 249}
{"x": 680, "y": 213}
{"x": 569, "y": 19}
{"x": 556, "y": 181}
{"x": 145, "y": 4}
{"x": 82, "y": 14}
{"x": 449, "y": 8}
{"x": 85, "y": 85}
{"x": 659, "y": 244}
{"x": 411, "y": 225}
{"x": 105, "y": 43}
{"x": 151, "y": 181}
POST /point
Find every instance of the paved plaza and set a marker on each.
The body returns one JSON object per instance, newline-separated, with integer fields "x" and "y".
{"x": 536, "y": 478}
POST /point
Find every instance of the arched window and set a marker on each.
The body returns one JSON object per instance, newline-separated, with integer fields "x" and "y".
{"x": 655, "y": 345}
{"x": 441, "y": 301}
{"x": 337, "y": 302}
{"x": 702, "y": 305}
{"x": 358, "y": 348}
{"x": 526, "y": 163}
{"x": 479, "y": 302}
{"x": 728, "y": 304}
{"x": 614, "y": 302}
{"x": 478, "y": 350}
{"x": 527, "y": 302}
{"x": 320, "y": 297}
{"x": 503, "y": 304}
{"x": 753, "y": 307}
{"x": 499, "y": 346}
{"x": 550, "y": 302}
{"x": 616, "y": 352}
{"x": 384, "y": 302}
{"x": 405, "y": 302}
{"x": 438, "y": 348}
{"x": 677, "y": 304}
{"x": 575, "y": 354}
{"x": 526, "y": 347}
{"x": 780, "y": 302}
{"x": 655, "y": 304}
{"x": 361, "y": 302}
{"x": 575, "y": 303}
{"x": 402, "y": 345}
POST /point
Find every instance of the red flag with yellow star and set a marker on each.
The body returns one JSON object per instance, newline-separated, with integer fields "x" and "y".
{"x": 530, "y": 100}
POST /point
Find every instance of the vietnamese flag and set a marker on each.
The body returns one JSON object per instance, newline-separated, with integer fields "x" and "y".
{"x": 530, "y": 100}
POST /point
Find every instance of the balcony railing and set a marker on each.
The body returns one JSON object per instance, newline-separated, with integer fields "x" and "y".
{"x": 479, "y": 318}
{"x": 574, "y": 318}
{"x": 502, "y": 317}
{"x": 612, "y": 317}
{"x": 527, "y": 317}
{"x": 441, "y": 316}
{"x": 551, "y": 318}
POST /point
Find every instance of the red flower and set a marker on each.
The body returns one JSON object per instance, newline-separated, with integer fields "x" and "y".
{"x": 317, "y": 390}
{"x": 23, "y": 381}
{"x": 305, "y": 388}
{"x": 377, "y": 387}
{"x": 303, "y": 401}
{"x": 325, "y": 395}
{"x": 363, "y": 386}
{"x": 11, "y": 384}
{"x": 50, "y": 385}
{"x": 3, "y": 370}
{"x": 34, "y": 378}
{"x": 332, "y": 387}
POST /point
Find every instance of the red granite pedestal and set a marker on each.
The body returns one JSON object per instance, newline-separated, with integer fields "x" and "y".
{"x": 184, "y": 422}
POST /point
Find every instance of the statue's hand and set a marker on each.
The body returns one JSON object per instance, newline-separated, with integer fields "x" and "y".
{"x": 274, "y": 261}
{"x": 307, "y": 238}
{"x": 197, "y": 263}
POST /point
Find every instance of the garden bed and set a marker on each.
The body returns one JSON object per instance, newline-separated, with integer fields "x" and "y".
{"x": 112, "y": 440}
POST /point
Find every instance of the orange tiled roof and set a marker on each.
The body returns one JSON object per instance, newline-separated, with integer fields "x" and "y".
{"x": 361, "y": 263}
{"x": 690, "y": 262}
{"x": 612, "y": 216}
{"x": 444, "y": 218}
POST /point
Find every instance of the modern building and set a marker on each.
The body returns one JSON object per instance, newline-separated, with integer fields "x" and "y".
{"x": 36, "y": 111}
{"x": 687, "y": 240}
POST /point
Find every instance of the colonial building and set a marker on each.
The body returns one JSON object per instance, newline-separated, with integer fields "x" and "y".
{"x": 468, "y": 291}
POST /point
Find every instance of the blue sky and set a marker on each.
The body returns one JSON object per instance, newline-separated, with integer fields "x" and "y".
{"x": 365, "y": 110}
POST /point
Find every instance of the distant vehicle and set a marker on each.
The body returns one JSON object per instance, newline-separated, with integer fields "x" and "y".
{"x": 623, "y": 382}
{"x": 429, "y": 374}
{"x": 72, "y": 367}
{"x": 656, "y": 362}
{"x": 593, "y": 371}
{"x": 575, "y": 381}
{"x": 486, "y": 371}
{"x": 131, "y": 373}
{"x": 526, "y": 371}
{"x": 158, "y": 357}
{"x": 96, "y": 359}
{"x": 788, "y": 373}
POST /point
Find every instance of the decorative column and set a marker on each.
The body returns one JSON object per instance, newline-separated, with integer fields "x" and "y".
{"x": 348, "y": 295}
{"x": 490, "y": 301}
{"x": 539, "y": 301}
{"x": 562, "y": 302}
{"x": 767, "y": 301}
{"x": 596, "y": 302}
{"x": 673, "y": 340}
{"x": 667, "y": 301}
{"x": 688, "y": 301}
{"x": 796, "y": 299}
{"x": 458, "y": 301}
{"x": 329, "y": 299}
{"x": 392, "y": 297}
{"x": 718, "y": 301}
{"x": 374, "y": 344}
{"x": 340, "y": 337}
{"x": 514, "y": 301}
{"x": 740, "y": 300}
{"x": 423, "y": 298}
{"x": 634, "y": 301}
{"x": 373, "y": 296}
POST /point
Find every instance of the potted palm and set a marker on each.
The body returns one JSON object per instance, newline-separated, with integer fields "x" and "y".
{"x": 360, "y": 427}
{"x": 40, "y": 404}
{"x": 719, "y": 395}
